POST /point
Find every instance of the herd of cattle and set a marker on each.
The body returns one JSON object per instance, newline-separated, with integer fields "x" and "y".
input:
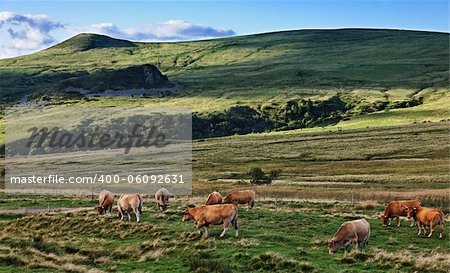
{"x": 218, "y": 210}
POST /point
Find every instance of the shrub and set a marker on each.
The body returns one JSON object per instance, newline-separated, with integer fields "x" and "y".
{"x": 257, "y": 176}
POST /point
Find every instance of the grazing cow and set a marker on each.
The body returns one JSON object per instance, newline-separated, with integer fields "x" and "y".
{"x": 241, "y": 197}
{"x": 105, "y": 202}
{"x": 427, "y": 217}
{"x": 127, "y": 203}
{"x": 214, "y": 198}
{"x": 397, "y": 209}
{"x": 354, "y": 233}
{"x": 162, "y": 199}
{"x": 205, "y": 215}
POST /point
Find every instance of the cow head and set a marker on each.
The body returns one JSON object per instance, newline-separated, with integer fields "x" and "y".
{"x": 333, "y": 246}
{"x": 384, "y": 220}
{"x": 163, "y": 205}
{"x": 411, "y": 212}
{"x": 100, "y": 209}
{"x": 187, "y": 215}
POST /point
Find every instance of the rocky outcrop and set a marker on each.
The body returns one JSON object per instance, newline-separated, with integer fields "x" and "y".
{"x": 145, "y": 76}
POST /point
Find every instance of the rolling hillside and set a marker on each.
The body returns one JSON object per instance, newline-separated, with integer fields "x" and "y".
{"x": 368, "y": 70}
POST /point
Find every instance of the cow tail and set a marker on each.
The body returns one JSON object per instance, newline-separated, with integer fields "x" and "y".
{"x": 140, "y": 205}
{"x": 441, "y": 221}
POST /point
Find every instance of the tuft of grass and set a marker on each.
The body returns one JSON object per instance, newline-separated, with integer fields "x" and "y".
{"x": 366, "y": 205}
{"x": 355, "y": 257}
{"x": 431, "y": 262}
{"x": 274, "y": 261}
{"x": 205, "y": 262}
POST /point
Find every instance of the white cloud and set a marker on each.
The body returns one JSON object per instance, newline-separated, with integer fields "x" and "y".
{"x": 24, "y": 34}
{"x": 172, "y": 30}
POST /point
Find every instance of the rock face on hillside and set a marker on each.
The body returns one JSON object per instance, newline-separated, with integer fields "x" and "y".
{"x": 145, "y": 76}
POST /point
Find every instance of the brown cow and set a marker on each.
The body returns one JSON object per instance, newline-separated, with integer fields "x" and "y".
{"x": 241, "y": 197}
{"x": 356, "y": 232}
{"x": 105, "y": 202}
{"x": 214, "y": 198}
{"x": 205, "y": 215}
{"x": 397, "y": 209}
{"x": 427, "y": 217}
{"x": 162, "y": 199}
{"x": 127, "y": 203}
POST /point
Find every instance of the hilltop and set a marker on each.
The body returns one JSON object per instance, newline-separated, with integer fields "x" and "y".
{"x": 87, "y": 41}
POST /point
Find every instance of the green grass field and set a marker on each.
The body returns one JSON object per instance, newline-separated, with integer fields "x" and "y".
{"x": 290, "y": 239}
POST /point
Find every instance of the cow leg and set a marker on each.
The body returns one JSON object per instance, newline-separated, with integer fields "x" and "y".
{"x": 420, "y": 228}
{"x": 441, "y": 230}
{"x": 226, "y": 223}
{"x": 431, "y": 229}
{"x": 389, "y": 221}
{"x": 199, "y": 225}
{"x": 412, "y": 222}
{"x": 235, "y": 225}
{"x": 137, "y": 216}
{"x": 355, "y": 244}
{"x": 223, "y": 232}
{"x": 398, "y": 220}
{"x": 129, "y": 216}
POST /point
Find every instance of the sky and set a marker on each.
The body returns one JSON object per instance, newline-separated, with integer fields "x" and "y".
{"x": 30, "y": 26}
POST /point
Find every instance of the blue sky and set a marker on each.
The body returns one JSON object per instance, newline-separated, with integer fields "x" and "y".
{"x": 186, "y": 20}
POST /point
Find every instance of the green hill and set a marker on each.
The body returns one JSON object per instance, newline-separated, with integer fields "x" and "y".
{"x": 359, "y": 71}
{"x": 87, "y": 41}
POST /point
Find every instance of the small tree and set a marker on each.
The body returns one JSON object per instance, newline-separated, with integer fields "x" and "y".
{"x": 257, "y": 176}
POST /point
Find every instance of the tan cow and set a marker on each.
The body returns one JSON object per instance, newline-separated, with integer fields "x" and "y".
{"x": 105, "y": 202}
{"x": 206, "y": 215}
{"x": 397, "y": 209}
{"x": 241, "y": 197}
{"x": 162, "y": 199}
{"x": 356, "y": 233}
{"x": 214, "y": 198}
{"x": 427, "y": 217}
{"x": 127, "y": 203}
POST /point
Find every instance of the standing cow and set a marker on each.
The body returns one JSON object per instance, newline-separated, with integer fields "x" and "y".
{"x": 427, "y": 217}
{"x": 214, "y": 198}
{"x": 397, "y": 209}
{"x": 356, "y": 233}
{"x": 162, "y": 199}
{"x": 127, "y": 203}
{"x": 241, "y": 197}
{"x": 205, "y": 215}
{"x": 105, "y": 202}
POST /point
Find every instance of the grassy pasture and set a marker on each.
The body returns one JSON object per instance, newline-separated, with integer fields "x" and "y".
{"x": 350, "y": 173}
{"x": 290, "y": 239}
{"x": 372, "y": 163}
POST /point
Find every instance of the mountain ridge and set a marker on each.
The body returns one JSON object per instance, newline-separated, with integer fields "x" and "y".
{"x": 130, "y": 43}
